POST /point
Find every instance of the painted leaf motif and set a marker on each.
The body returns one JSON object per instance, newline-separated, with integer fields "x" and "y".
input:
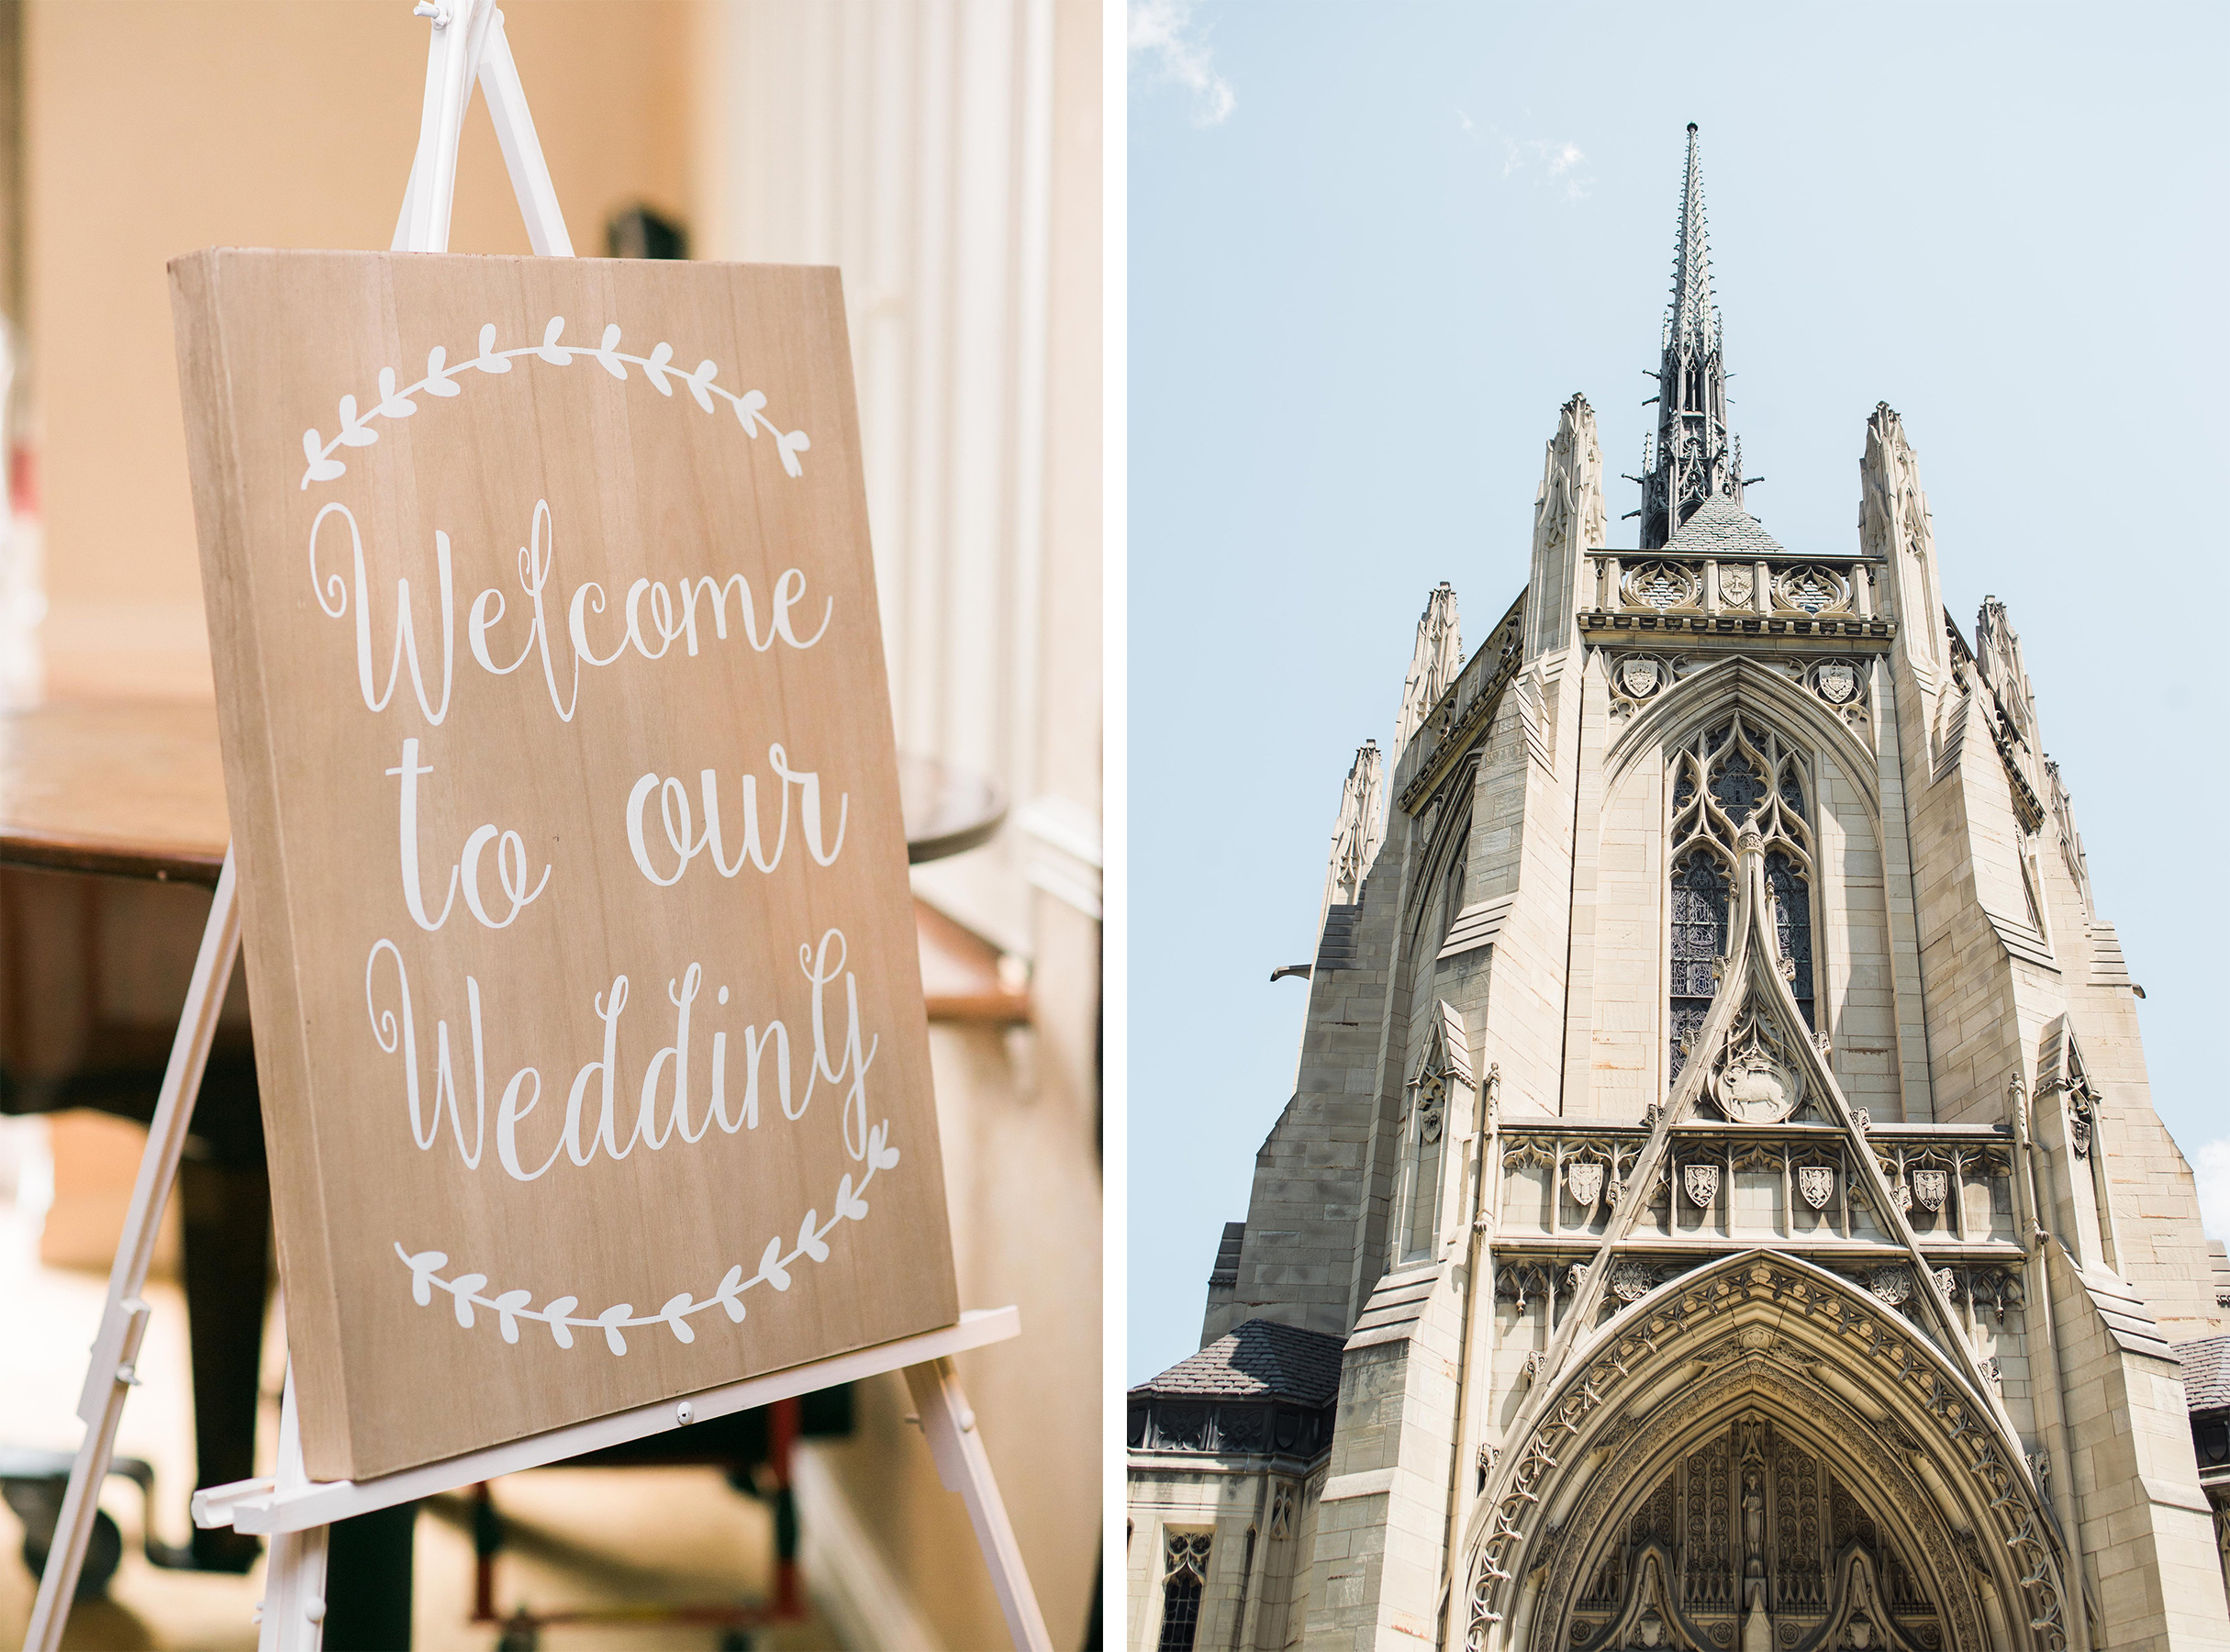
{"x": 422, "y": 1266}
{"x": 605, "y": 353}
{"x": 810, "y": 1243}
{"x": 849, "y": 1204}
{"x": 771, "y": 1268}
{"x": 610, "y": 1320}
{"x": 391, "y": 405}
{"x": 321, "y": 469}
{"x": 747, "y": 410}
{"x": 461, "y": 1289}
{"x": 793, "y": 444}
{"x": 549, "y": 349}
{"x": 731, "y": 1282}
{"x": 881, "y": 1156}
{"x": 699, "y": 380}
{"x": 672, "y": 1314}
{"x": 489, "y": 361}
{"x": 655, "y": 369}
{"x": 438, "y": 382}
{"x": 352, "y": 433}
{"x": 507, "y": 1311}
{"x": 556, "y": 1312}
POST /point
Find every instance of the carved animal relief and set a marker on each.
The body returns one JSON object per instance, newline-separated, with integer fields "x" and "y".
{"x": 1758, "y": 1080}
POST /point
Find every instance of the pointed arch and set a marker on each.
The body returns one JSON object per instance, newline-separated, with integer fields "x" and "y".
{"x": 1708, "y": 695}
{"x": 1847, "y": 1375}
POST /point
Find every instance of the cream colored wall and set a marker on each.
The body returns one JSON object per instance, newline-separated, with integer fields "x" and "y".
{"x": 152, "y": 128}
{"x": 1859, "y": 1001}
{"x": 1627, "y": 1059}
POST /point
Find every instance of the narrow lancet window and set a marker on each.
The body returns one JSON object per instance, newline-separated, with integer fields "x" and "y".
{"x": 1181, "y": 1585}
{"x": 1738, "y": 774}
{"x": 1698, "y": 936}
{"x": 1792, "y": 926}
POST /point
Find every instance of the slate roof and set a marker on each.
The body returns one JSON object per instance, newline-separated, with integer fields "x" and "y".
{"x": 1261, "y": 1361}
{"x": 2206, "y": 1373}
{"x": 1721, "y": 528}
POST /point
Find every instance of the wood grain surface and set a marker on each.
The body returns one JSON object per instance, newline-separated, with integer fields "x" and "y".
{"x": 578, "y": 1098}
{"x": 132, "y": 790}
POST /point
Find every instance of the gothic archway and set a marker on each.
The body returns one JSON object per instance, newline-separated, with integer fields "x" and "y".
{"x": 1775, "y": 1516}
{"x": 1943, "y": 1546}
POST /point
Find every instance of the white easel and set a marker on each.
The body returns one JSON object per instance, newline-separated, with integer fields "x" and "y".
{"x": 294, "y": 1511}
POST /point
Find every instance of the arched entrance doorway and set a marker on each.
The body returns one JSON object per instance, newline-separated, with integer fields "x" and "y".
{"x": 1762, "y": 1455}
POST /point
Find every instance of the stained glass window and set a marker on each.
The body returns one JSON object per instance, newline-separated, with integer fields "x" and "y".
{"x": 1792, "y": 924}
{"x": 1737, "y": 786}
{"x": 1736, "y": 776}
{"x": 1181, "y": 1590}
{"x": 1699, "y": 890}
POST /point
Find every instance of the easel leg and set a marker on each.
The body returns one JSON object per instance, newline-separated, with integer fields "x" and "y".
{"x": 292, "y": 1617}
{"x": 958, "y": 1449}
{"x": 124, "y": 1322}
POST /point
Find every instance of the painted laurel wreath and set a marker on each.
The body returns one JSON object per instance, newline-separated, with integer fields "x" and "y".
{"x": 440, "y": 380}
{"x": 511, "y": 1306}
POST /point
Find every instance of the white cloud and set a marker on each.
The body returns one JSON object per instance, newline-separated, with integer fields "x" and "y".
{"x": 1467, "y": 121}
{"x": 1560, "y": 162}
{"x": 2210, "y": 1168}
{"x": 1163, "y": 30}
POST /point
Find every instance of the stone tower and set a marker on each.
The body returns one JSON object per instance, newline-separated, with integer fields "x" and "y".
{"x": 1721, "y": 1171}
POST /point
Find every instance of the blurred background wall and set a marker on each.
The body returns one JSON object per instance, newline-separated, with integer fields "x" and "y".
{"x": 946, "y": 153}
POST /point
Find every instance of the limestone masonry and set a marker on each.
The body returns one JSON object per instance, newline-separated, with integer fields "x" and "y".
{"x": 1722, "y": 1206}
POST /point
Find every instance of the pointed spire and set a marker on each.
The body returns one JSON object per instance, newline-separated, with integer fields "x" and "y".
{"x": 1693, "y": 321}
{"x": 1695, "y": 457}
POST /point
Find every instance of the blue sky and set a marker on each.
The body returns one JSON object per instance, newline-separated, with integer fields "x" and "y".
{"x": 1372, "y": 248}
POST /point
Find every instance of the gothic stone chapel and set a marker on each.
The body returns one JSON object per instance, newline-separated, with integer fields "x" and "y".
{"x": 1722, "y": 1207}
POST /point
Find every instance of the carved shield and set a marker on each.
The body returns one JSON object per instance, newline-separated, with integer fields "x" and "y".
{"x": 1585, "y": 1180}
{"x": 1838, "y": 682}
{"x": 1931, "y": 1187}
{"x": 1947, "y": 1282}
{"x": 1817, "y": 1184}
{"x": 1640, "y": 678}
{"x": 1631, "y": 1281}
{"x": 1891, "y": 1285}
{"x": 1734, "y": 585}
{"x": 1703, "y": 1184}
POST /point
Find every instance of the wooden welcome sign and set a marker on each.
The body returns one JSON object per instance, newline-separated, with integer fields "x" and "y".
{"x": 564, "y": 797}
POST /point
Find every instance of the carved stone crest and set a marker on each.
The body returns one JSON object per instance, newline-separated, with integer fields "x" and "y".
{"x": 1901, "y": 1196}
{"x": 1891, "y": 1285}
{"x": 1734, "y": 586}
{"x": 1947, "y": 1282}
{"x": 1630, "y": 1281}
{"x": 1584, "y": 1178}
{"x": 2078, "y": 1130}
{"x": 1429, "y": 1119}
{"x": 1703, "y": 1184}
{"x": 1817, "y": 1184}
{"x": 1931, "y": 1187}
{"x": 1640, "y": 676}
{"x": 1838, "y": 681}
